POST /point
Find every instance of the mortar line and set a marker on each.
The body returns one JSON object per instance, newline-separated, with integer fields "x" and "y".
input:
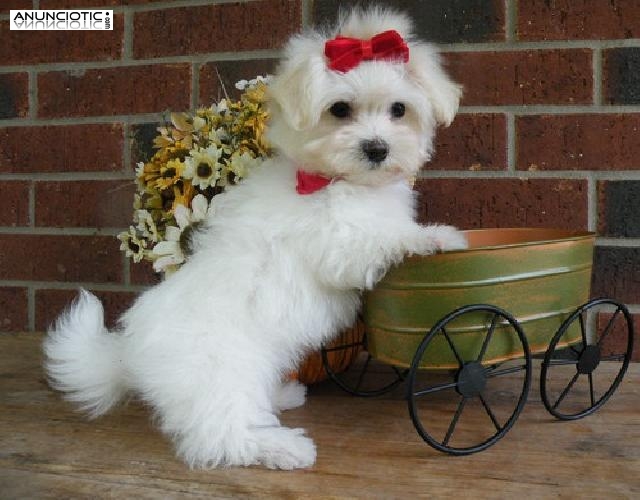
{"x": 592, "y": 203}
{"x": 528, "y": 174}
{"x": 31, "y": 309}
{"x": 127, "y": 48}
{"x": 526, "y": 110}
{"x": 32, "y": 204}
{"x": 72, "y": 285}
{"x": 307, "y": 14}
{"x": 195, "y": 86}
{"x": 519, "y": 46}
{"x": 69, "y": 176}
{"x": 511, "y": 20}
{"x": 122, "y": 63}
{"x": 597, "y": 77}
{"x": 126, "y": 147}
{"x": 60, "y": 231}
{"x": 32, "y": 97}
{"x": 511, "y": 142}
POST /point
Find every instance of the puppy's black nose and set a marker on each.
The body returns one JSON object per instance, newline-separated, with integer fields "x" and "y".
{"x": 376, "y": 150}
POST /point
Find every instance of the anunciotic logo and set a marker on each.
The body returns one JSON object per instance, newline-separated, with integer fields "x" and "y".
{"x": 36, "y": 20}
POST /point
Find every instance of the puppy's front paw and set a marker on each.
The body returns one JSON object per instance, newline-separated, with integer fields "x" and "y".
{"x": 290, "y": 395}
{"x": 447, "y": 238}
{"x": 284, "y": 448}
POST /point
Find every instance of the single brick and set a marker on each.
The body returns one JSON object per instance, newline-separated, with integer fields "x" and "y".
{"x": 523, "y": 77}
{"x": 472, "y": 142}
{"x": 13, "y": 309}
{"x": 141, "y": 141}
{"x": 481, "y": 203}
{"x": 8, "y": 5}
{"x": 14, "y": 203}
{"x": 50, "y": 303}
{"x": 578, "y": 142}
{"x": 616, "y": 274}
{"x": 115, "y": 91}
{"x": 622, "y": 75}
{"x": 14, "y": 95}
{"x": 584, "y": 19}
{"x": 94, "y": 259}
{"x": 218, "y": 77}
{"x": 50, "y": 46}
{"x": 442, "y": 21}
{"x": 52, "y": 148}
{"x": 84, "y": 203}
{"x": 615, "y": 343}
{"x": 619, "y": 208}
{"x": 229, "y": 27}
{"x": 142, "y": 273}
{"x": 76, "y": 4}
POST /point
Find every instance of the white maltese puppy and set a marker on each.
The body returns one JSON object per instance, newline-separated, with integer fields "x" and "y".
{"x": 279, "y": 267}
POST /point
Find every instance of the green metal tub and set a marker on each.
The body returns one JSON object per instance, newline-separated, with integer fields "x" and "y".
{"x": 539, "y": 276}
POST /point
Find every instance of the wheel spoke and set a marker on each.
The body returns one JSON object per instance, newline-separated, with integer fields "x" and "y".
{"x": 363, "y": 372}
{"x": 613, "y": 357}
{"x": 609, "y": 326}
{"x": 454, "y": 421}
{"x": 577, "y": 353}
{"x": 490, "y": 413}
{"x": 487, "y": 339}
{"x": 593, "y": 399}
{"x": 453, "y": 347}
{"x": 561, "y": 362}
{"x": 505, "y": 371}
{"x": 583, "y": 330}
{"x": 435, "y": 388}
{"x": 566, "y": 390}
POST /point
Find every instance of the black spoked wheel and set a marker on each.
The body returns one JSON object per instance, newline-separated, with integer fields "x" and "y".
{"x": 586, "y": 359}
{"x": 473, "y": 403}
{"x": 365, "y": 377}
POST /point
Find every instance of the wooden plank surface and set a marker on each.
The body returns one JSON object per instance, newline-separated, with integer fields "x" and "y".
{"x": 367, "y": 448}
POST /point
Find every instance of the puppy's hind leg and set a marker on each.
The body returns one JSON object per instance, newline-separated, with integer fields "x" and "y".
{"x": 225, "y": 416}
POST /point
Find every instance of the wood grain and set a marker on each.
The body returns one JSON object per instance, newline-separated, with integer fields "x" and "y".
{"x": 367, "y": 448}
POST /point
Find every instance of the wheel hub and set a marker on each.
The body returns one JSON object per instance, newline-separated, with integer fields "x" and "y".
{"x": 589, "y": 359}
{"x": 471, "y": 380}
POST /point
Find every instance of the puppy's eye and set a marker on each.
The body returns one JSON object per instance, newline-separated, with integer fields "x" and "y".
{"x": 397, "y": 110}
{"x": 340, "y": 109}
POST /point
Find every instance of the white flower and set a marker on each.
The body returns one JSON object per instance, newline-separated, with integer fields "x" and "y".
{"x": 202, "y": 166}
{"x": 198, "y": 123}
{"x": 218, "y": 136}
{"x": 169, "y": 253}
{"x": 242, "y": 164}
{"x": 132, "y": 245}
{"x": 146, "y": 224}
{"x": 220, "y": 107}
{"x": 242, "y": 84}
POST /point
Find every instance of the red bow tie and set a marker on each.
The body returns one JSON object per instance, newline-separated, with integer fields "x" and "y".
{"x": 346, "y": 53}
{"x": 309, "y": 183}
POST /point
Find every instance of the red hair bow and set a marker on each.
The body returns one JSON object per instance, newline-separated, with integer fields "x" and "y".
{"x": 346, "y": 53}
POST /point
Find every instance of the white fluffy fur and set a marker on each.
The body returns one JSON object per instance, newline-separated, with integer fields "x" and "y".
{"x": 275, "y": 273}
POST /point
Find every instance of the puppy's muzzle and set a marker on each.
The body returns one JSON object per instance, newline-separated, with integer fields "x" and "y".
{"x": 376, "y": 151}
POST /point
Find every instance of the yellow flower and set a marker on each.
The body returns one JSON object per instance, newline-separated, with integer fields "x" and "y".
{"x": 170, "y": 173}
{"x": 202, "y": 166}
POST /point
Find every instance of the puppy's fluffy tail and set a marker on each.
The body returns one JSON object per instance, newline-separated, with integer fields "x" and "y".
{"x": 83, "y": 359}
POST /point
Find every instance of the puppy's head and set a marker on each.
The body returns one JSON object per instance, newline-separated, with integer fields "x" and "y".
{"x": 369, "y": 123}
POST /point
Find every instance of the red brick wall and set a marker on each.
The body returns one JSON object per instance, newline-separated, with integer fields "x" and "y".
{"x": 548, "y": 134}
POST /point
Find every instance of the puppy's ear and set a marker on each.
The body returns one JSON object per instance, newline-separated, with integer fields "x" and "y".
{"x": 425, "y": 68}
{"x": 297, "y": 87}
